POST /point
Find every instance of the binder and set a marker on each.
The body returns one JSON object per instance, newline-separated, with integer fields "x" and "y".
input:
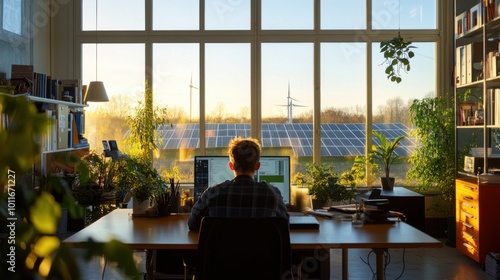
{"x": 62, "y": 126}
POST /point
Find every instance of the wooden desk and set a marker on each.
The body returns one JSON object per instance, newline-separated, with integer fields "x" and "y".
{"x": 171, "y": 232}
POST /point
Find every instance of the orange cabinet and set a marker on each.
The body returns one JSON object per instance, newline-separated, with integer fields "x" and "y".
{"x": 477, "y": 221}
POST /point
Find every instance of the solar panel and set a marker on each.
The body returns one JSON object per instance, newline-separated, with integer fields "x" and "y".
{"x": 336, "y": 139}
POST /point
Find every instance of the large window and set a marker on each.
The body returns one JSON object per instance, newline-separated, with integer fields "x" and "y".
{"x": 306, "y": 77}
{"x": 121, "y": 67}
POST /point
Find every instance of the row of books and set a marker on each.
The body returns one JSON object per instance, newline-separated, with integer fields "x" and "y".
{"x": 469, "y": 62}
{"x": 494, "y": 103}
{"x": 66, "y": 129}
{"x": 491, "y": 9}
{"x": 27, "y": 81}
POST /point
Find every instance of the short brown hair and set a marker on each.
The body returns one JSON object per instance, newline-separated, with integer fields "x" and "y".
{"x": 244, "y": 153}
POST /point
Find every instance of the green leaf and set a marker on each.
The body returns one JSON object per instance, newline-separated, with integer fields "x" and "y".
{"x": 45, "y": 214}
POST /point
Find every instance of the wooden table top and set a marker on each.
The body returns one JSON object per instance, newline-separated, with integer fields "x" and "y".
{"x": 171, "y": 232}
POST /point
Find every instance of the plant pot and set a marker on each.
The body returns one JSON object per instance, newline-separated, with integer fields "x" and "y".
{"x": 139, "y": 208}
{"x": 164, "y": 210}
{"x": 387, "y": 183}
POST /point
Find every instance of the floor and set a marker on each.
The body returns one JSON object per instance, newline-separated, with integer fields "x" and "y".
{"x": 412, "y": 264}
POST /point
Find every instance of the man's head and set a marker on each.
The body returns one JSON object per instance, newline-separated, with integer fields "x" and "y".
{"x": 244, "y": 155}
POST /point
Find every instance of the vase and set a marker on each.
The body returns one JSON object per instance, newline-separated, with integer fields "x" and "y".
{"x": 139, "y": 208}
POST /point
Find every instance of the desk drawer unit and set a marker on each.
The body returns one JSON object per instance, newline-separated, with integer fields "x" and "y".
{"x": 476, "y": 221}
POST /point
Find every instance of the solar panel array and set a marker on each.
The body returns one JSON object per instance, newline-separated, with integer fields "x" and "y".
{"x": 336, "y": 139}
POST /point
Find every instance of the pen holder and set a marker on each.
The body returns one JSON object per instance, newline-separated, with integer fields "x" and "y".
{"x": 174, "y": 204}
{"x": 163, "y": 210}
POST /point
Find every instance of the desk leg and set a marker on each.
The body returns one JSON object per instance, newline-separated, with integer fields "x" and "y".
{"x": 345, "y": 264}
{"x": 380, "y": 262}
{"x": 325, "y": 264}
{"x": 150, "y": 263}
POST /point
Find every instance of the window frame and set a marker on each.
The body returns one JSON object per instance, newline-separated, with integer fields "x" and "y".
{"x": 256, "y": 37}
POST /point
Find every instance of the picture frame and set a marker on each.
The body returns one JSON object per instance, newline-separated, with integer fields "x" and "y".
{"x": 476, "y": 19}
{"x": 461, "y": 24}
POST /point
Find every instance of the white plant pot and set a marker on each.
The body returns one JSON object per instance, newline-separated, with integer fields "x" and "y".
{"x": 139, "y": 208}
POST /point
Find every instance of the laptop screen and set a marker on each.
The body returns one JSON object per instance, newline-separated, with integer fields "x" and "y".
{"x": 212, "y": 170}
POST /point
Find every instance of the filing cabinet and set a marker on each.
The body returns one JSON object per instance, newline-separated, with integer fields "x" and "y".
{"x": 477, "y": 223}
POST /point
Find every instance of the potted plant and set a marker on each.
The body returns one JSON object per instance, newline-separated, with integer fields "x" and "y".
{"x": 324, "y": 185}
{"x": 397, "y": 53}
{"x": 385, "y": 154}
{"x": 433, "y": 160}
{"x": 141, "y": 180}
{"x": 95, "y": 187}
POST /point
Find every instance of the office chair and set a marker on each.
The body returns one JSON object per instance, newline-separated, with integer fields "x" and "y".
{"x": 243, "y": 248}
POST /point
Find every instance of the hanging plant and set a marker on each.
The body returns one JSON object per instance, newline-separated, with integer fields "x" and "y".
{"x": 397, "y": 54}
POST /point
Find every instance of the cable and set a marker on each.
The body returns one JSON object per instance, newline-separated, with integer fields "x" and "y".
{"x": 404, "y": 264}
{"x": 104, "y": 267}
{"x": 367, "y": 262}
{"x": 387, "y": 261}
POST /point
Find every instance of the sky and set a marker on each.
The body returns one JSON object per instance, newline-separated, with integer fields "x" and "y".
{"x": 285, "y": 66}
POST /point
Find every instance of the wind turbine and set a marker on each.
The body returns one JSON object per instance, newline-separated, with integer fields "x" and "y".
{"x": 191, "y": 87}
{"x": 290, "y": 105}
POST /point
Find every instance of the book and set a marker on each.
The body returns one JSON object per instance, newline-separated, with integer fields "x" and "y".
{"x": 62, "y": 126}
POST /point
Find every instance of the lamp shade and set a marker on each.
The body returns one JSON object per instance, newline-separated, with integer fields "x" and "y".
{"x": 96, "y": 92}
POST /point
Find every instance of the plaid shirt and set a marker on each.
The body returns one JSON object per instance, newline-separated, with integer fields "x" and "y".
{"x": 239, "y": 198}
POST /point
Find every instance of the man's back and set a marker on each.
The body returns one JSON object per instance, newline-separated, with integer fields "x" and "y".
{"x": 239, "y": 198}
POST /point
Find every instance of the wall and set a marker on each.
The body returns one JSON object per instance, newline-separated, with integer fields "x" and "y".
{"x": 16, "y": 49}
{"x": 62, "y": 39}
{"x": 46, "y": 42}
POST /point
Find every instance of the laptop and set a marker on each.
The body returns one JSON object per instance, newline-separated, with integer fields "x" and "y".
{"x": 303, "y": 222}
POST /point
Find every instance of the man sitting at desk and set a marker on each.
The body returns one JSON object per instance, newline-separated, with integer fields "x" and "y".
{"x": 241, "y": 197}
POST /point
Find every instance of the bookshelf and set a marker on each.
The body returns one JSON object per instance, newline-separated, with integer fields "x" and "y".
{"x": 63, "y": 144}
{"x": 477, "y": 103}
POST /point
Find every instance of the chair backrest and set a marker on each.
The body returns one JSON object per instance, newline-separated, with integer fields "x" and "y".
{"x": 244, "y": 248}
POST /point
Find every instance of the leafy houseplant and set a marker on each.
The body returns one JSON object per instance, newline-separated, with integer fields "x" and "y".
{"x": 143, "y": 138}
{"x": 95, "y": 186}
{"x": 96, "y": 178}
{"x": 324, "y": 184}
{"x": 384, "y": 153}
{"x": 357, "y": 173}
{"x": 138, "y": 176}
{"x": 433, "y": 161}
{"x": 148, "y": 181}
{"x": 397, "y": 53}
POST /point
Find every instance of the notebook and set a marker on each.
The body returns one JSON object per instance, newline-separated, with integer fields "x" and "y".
{"x": 303, "y": 222}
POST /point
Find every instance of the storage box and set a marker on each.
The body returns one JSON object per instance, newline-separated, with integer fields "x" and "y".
{"x": 492, "y": 265}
